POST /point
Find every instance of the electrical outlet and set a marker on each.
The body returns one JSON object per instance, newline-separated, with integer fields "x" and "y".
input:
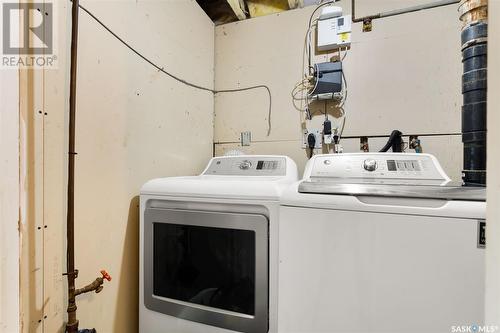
{"x": 246, "y": 138}
{"x": 319, "y": 138}
{"x": 328, "y": 138}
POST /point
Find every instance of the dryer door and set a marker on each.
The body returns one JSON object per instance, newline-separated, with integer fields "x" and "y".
{"x": 208, "y": 267}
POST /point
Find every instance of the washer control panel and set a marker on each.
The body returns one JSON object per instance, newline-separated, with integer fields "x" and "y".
{"x": 247, "y": 166}
{"x": 376, "y": 165}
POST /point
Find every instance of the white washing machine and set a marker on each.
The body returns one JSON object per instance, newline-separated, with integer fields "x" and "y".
{"x": 208, "y": 247}
{"x": 380, "y": 242}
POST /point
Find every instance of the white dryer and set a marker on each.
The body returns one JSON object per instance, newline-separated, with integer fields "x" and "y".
{"x": 380, "y": 242}
{"x": 208, "y": 247}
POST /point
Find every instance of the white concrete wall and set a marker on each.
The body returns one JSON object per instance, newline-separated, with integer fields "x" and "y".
{"x": 493, "y": 213}
{"x": 133, "y": 124}
{"x": 9, "y": 201}
{"x": 405, "y": 75}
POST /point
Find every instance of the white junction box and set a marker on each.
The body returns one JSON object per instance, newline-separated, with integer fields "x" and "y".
{"x": 334, "y": 32}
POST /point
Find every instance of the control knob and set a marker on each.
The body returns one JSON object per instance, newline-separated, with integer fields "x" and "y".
{"x": 245, "y": 165}
{"x": 370, "y": 165}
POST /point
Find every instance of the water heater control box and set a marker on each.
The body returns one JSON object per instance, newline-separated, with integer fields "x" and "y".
{"x": 333, "y": 32}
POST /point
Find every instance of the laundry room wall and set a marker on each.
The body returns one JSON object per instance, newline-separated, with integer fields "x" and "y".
{"x": 133, "y": 124}
{"x": 405, "y": 74}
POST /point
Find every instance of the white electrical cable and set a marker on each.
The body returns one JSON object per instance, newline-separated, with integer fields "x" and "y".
{"x": 317, "y": 80}
{"x": 302, "y": 86}
{"x": 345, "y": 53}
{"x": 342, "y": 107}
{"x": 308, "y": 43}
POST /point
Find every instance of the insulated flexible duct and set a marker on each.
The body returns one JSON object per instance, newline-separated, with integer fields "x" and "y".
{"x": 474, "y": 89}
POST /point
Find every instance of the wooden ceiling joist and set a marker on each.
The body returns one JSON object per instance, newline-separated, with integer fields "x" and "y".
{"x": 295, "y": 4}
{"x": 238, "y": 7}
{"x": 225, "y": 11}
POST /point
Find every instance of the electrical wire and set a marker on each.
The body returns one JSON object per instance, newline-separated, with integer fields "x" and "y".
{"x": 317, "y": 81}
{"x": 326, "y": 110}
{"x": 308, "y": 71}
{"x": 344, "y": 97}
{"x": 304, "y": 85}
{"x": 341, "y": 106}
{"x": 300, "y": 87}
{"x": 193, "y": 85}
{"x": 345, "y": 53}
{"x": 308, "y": 42}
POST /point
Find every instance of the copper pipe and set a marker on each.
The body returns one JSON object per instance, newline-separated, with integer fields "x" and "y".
{"x": 94, "y": 286}
{"x": 72, "y": 325}
{"x": 396, "y": 12}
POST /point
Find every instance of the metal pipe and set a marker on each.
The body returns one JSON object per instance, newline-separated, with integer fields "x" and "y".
{"x": 72, "y": 273}
{"x": 72, "y": 325}
{"x": 401, "y": 11}
{"x": 96, "y": 286}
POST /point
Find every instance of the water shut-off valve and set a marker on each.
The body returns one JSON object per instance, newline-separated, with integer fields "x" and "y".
{"x": 96, "y": 286}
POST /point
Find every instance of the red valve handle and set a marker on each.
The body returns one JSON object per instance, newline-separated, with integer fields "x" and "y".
{"x": 105, "y": 275}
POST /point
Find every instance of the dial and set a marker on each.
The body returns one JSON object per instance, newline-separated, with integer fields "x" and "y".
{"x": 370, "y": 165}
{"x": 245, "y": 165}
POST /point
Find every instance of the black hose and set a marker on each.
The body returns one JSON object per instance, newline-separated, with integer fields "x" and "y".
{"x": 395, "y": 142}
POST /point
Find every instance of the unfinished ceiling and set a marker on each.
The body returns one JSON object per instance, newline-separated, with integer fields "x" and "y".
{"x": 225, "y": 11}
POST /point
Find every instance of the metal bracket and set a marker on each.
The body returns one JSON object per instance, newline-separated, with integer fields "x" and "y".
{"x": 367, "y": 25}
{"x": 74, "y": 273}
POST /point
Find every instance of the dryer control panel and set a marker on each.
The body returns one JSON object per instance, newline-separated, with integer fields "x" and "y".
{"x": 247, "y": 166}
{"x": 379, "y": 166}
